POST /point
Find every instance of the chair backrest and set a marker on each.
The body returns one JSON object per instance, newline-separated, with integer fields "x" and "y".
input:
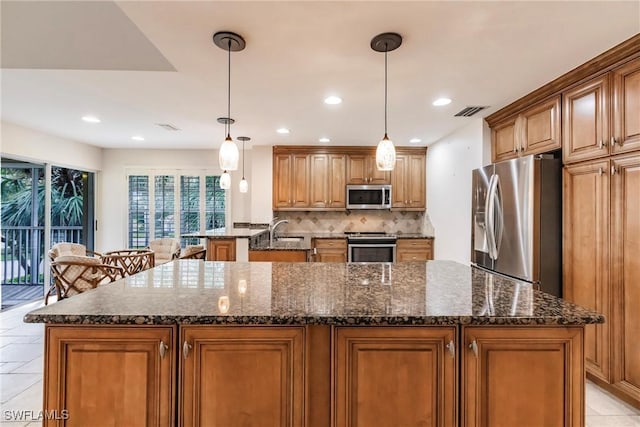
{"x": 194, "y": 252}
{"x": 65, "y": 248}
{"x": 165, "y": 249}
{"x": 74, "y": 274}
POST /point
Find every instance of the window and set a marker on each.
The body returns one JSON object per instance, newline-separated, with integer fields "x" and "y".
{"x": 173, "y": 205}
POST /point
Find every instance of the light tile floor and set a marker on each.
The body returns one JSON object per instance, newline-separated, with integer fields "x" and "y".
{"x": 21, "y": 363}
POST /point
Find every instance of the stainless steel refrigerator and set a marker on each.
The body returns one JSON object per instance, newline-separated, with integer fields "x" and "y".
{"x": 517, "y": 220}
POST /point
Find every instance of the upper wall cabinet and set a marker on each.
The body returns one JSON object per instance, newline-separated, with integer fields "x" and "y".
{"x": 307, "y": 178}
{"x": 586, "y": 120}
{"x": 362, "y": 169}
{"x": 408, "y": 182}
{"x": 534, "y": 130}
{"x": 602, "y": 115}
{"x": 626, "y": 108}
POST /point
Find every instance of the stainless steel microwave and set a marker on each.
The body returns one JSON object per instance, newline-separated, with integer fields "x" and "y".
{"x": 369, "y": 196}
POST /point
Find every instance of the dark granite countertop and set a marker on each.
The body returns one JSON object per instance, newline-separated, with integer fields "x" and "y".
{"x": 420, "y": 293}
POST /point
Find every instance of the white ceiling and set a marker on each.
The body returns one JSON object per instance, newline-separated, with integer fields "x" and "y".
{"x": 138, "y": 63}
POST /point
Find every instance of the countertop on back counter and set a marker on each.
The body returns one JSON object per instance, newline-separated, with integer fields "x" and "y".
{"x": 227, "y": 233}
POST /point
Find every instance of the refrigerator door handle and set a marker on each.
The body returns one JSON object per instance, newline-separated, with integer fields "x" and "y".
{"x": 490, "y": 218}
{"x": 499, "y": 227}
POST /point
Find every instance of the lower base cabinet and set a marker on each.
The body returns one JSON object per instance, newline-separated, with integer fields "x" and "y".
{"x": 526, "y": 377}
{"x": 111, "y": 376}
{"x": 315, "y": 376}
{"x": 242, "y": 376}
{"x": 402, "y": 376}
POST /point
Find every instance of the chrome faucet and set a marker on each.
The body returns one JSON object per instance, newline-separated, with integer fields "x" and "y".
{"x": 272, "y": 228}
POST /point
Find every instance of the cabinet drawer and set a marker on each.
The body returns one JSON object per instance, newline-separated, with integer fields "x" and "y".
{"x": 414, "y": 244}
{"x": 330, "y": 243}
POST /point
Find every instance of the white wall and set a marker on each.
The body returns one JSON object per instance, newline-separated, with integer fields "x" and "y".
{"x": 261, "y": 187}
{"x": 26, "y": 144}
{"x": 449, "y": 165}
{"x": 112, "y": 214}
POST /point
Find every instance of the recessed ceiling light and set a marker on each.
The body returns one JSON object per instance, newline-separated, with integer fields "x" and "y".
{"x": 441, "y": 101}
{"x": 137, "y": 138}
{"x": 91, "y": 119}
{"x": 283, "y": 131}
{"x": 333, "y": 100}
{"x": 324, "y": 139}
{"x": 415, "y": 140}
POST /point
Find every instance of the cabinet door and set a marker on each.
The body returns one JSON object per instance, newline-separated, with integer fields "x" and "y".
{"x": 503, "y": 140}
{"x": 242, "y": 376}
{"x": 541, "y": 127}
{"x": 300, "y": 183}
{"x": 357, "y": 172}
{"x": 330, "y": 250}
{"x": 387, "y": 377}
{"x": 377, "y": 176}
{"x": 586, "y": 254}
{"x": 221, "y": 249}
{"x": 625, "y": 274}
{"x": 336, "y": 180}
{"x": 626, "y": 107}
{"x": 415, "y": 186}
{"x": 398, "y": 182}
{"x": 585, "y": 121}
{"x": 117, "y": 375}
{"x": 319, "y": 182}
{"x": 518, "y": 376}
{"x": 282, "y": 180}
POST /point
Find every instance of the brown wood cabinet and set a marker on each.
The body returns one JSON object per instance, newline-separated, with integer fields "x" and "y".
{"x": 327, "y": 180}
{"x": 625, "y": 274}
{"x": 522, "y": 376}
{"x": 534, "y": 130}
{"x": 626, "y": 107}
{"x": 586, "y": 111}
{"x": 601, "y": 267}
{"x": 586, "y": 254}
{"x": 221, "y": 249}
{"x": 291, "y": 181}
{"x": 329, "y": 250}
{"x": 278, "y": 255}
{"x": 395, "y": 376}
{"x": 414, "y": 249}
{"x": 362, "y": 169}
{"x": 408, "y": 182}
{"x": 244, "y": 375}
{"x": 117, "y": 375}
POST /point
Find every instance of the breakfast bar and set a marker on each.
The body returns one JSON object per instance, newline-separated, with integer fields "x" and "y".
{"x": 194, "y": 342}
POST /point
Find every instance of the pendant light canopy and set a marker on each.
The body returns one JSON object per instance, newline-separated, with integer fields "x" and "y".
{"x": 244, "y": 184}
{"x": 386, "y": 152}
{"x": 228, "y": 154}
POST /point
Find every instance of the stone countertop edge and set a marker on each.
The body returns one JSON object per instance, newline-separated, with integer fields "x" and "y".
{"x": 312, "y": 320}
{"x": 226, "y": 233}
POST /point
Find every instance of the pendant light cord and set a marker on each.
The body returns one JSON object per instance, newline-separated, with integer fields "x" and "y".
{"x": 229, "y": 90}
{"x": 242, "y": 159}
{"x": 386, "y": 49}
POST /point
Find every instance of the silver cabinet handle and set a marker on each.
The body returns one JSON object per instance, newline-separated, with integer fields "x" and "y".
{"x": 613, "y": 141}
{"x": 474, "y": 346}
{"x": 185, "y": 349}
{"x": 163, "y": 349}
{"x": 613, "y": 170}
{"x": 452, "y": 348}
{"x": 600, "y": 171}
{"x": 601, "y": 144}
{"x": 515, "y": 149}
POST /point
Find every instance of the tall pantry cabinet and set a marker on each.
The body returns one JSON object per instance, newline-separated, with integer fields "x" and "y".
{"x": 601, "y": 235}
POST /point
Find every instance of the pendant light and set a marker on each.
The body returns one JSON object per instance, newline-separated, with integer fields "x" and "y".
{"x": 225, "y": 178}
{"x": 228, "y": 154}
{"x": 244, "y": 184}
{"x": 386, "y": 152}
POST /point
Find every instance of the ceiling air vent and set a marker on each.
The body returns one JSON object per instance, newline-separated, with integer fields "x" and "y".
{"x": 469, "y": 111}
{"x": 167, "y": 126}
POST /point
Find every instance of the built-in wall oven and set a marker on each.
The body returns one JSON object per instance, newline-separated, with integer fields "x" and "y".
{"x": 371, "y": 247}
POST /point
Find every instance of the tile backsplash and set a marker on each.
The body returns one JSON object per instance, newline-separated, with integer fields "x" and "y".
{"x": 397, "y": 222}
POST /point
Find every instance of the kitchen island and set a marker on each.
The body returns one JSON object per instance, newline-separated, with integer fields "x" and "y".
{"x": 315, "y": 344}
